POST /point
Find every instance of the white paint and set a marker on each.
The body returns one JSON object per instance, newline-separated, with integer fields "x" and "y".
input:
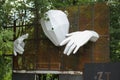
{"x": 56, "y": 27}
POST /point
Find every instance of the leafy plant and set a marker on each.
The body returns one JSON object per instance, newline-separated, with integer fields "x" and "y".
{"x": 115, "y": 31}
{"x": 26, "y": 11}
{"x": 5, "y": 41}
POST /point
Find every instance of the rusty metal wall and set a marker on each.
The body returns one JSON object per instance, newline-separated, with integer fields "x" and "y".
{"x": 41, "y": 54}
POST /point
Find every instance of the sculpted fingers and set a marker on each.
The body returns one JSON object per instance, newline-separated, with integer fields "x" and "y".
{"x": 22, "y": 44}
{"x": 15, "y": 53}
{"x": 20, "y": 48}
{"x": 68, "y": 47}
{"x": 71, "y": 49}
{"x": 16, "y": 50}
{"x": 65, "y": 41}
{"x": 76, "y": 49}
{"x": 77, "y": 39}
{"x": 95, "y": 36}
{"x": 19, "y": 44}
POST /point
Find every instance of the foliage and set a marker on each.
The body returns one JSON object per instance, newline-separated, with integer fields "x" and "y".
{"x": 26, "y": 11}
{"x": 5, "y": 35}
{"x": 114, "y": 32}
{"x": 5, "y": 44}
{"x": 48, "y": 77}
{"x": 5, "y": 68}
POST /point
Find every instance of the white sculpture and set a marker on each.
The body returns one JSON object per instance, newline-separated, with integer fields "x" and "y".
{"x": 56, "y": 28}
{"x": 55, "y": 25}
{"x": 19, "y": 44}
{"x": 77, "y": 39}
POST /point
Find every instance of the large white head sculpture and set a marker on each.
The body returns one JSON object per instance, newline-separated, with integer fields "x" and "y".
{"x": 55, "y": 26}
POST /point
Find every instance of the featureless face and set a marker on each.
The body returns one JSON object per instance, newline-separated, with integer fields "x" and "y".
{"x": 56, "y": 26}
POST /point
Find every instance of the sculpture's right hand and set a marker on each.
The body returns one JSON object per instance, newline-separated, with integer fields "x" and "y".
{"x": 77, "y": 39}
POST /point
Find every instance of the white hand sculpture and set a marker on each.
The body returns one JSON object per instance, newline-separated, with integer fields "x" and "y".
{"x": 19, "y": 44}
{"x": 77, "y": 39}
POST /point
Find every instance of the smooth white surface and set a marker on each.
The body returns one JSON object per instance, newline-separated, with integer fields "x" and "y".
{"x": 48, "y": 72}
{"x": 77, "y": 39}
{"x": 19, "y": 44}
{"x": 56, "y": 27}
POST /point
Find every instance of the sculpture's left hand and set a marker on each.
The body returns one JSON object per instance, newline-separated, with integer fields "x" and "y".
{"x": 77, "y": 39}
{"x": 19, "y": 44}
